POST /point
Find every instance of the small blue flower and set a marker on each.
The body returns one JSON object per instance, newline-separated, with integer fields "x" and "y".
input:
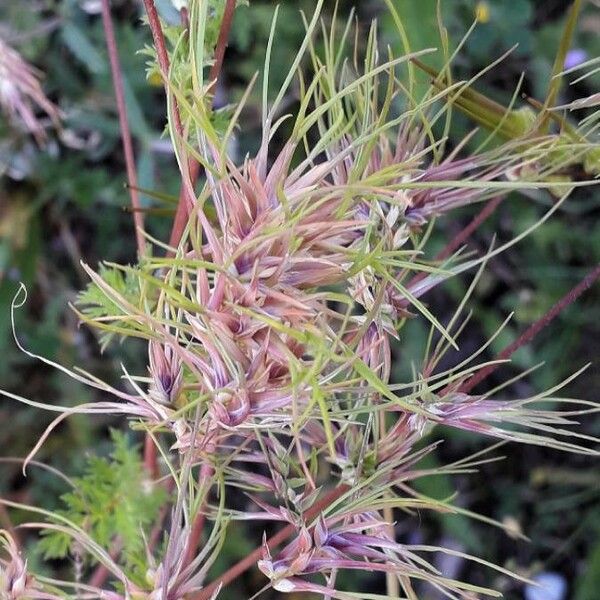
{"x": 551, "y": 586}
{"x": 575, "y": 57}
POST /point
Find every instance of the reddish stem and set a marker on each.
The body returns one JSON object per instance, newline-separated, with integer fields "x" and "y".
{"x": 535, "y": 328}
{"x": 101, "y": 573}
{"x": 150, "y": 457}
{"x": 115, "y": 69}
{"x": 226, "y": 22}
{"x": 158, "y": 525}
{"x": 462, "y": 236}
{"x": 162, "y": 56}
{"x": 181, "y": 215}
{"x": 150, "y": 460}
{"x": 274, "y": 541}
{"x": 99, "y": 576}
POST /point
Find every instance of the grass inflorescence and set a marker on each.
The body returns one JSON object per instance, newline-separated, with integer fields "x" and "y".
{"x": 270, "y": 325}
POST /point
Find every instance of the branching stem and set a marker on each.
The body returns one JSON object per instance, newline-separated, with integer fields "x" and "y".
{"x": 535, "y": 328}
{"x": 462, "y": 236}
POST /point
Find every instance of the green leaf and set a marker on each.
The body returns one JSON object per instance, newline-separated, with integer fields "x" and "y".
{"x": 77, "y": 42}
{"x": 95, "y": 304}
{"x": 111, "y": 501}
{"x": 589, "y": 583}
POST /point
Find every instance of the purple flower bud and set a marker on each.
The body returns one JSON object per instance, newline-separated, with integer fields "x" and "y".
{"x": 321, "y": 533}
{"x": 167, "y": 375}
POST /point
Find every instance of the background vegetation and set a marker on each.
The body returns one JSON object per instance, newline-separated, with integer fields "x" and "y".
{"x": 65, "y": 201}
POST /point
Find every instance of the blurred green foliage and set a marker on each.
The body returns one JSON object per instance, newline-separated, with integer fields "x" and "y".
{"x": 112, "y": 500}
{"x": 66, "y": 202}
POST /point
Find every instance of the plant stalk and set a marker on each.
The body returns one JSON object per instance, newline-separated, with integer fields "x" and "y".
{"x": 534, "y": 329}
{"x": 181, "y": 214}
{"x": 117, "y": 77}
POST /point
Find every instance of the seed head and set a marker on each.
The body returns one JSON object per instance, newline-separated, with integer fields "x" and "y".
{"x": 21, "y": 93}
